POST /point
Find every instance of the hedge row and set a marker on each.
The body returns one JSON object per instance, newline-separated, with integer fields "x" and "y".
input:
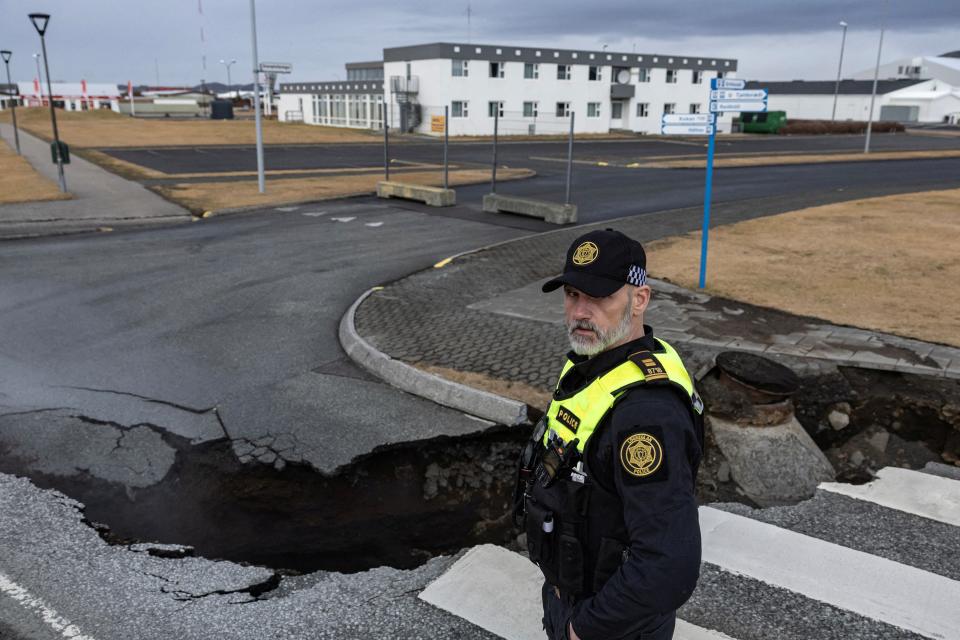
{"x": 846, "y": 126}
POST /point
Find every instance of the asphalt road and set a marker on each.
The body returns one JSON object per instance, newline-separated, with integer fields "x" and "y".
{"x": 117, "y": 347}
{"x": 176, "y": 160}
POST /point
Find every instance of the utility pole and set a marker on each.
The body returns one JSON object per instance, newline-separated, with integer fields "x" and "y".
{"x": 836, "y": 90}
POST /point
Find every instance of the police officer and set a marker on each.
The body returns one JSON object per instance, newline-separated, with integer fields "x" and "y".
{"x": 607, "y": 483}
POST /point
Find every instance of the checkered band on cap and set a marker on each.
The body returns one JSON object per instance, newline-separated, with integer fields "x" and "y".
{"x": 637, "y": 276}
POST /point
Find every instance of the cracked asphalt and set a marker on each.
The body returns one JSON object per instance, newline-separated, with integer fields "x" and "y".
{"x": 59, "y": 579}
{"x": 209, "y": 332}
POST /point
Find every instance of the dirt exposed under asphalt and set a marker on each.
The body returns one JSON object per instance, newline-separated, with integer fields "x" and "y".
{"x": 889, "y": 264}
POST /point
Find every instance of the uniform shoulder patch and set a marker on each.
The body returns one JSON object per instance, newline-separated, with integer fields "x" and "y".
{"x": 649, "y": 365}
{"x": 642, "y": 457}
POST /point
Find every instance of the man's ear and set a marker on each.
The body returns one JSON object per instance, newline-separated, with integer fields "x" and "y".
{"x": 641, "y": 298}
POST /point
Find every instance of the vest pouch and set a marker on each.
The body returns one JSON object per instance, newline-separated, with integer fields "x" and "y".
{"x": 609, "y": 558}
{"x": 539, "y": 524}
{"x": 570, "y": 565}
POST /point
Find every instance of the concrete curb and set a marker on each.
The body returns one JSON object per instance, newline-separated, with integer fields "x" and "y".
{"x": 482, "y": 404}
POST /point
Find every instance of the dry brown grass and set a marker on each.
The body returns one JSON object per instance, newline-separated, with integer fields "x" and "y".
{"x": 211, "y": 196}
{"x": 767, "y": 160}
{"x": 538, "y": 398}
{"x": 92, "y": 129}
{"x": 20, "y": 182}
{"x": 889, "y": 264}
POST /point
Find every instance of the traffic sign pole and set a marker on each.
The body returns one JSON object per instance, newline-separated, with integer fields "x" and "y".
{"x": 708, "y": 192}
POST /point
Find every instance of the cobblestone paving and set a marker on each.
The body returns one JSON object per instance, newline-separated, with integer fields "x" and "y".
{"x": 425, "y": 319}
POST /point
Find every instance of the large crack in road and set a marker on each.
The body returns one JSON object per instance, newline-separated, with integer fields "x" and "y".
{"x": 258, "y": 501}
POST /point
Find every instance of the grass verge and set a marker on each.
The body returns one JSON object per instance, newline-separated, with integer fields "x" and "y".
{"x": 889, "y": 264}
{"x": 211, "y": 196}
{"x": 20, "y": 182}
{"x": 794, "y": 158}
{"x": 93, "y": 129}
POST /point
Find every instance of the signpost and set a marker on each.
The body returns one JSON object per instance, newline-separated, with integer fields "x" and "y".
{"x": 726, "y": 94}
{"x": 438, "y": 124}
{"x": 276, "y": 67}
{"x": 270, "y": 71}
{"x": 688, "y": 124}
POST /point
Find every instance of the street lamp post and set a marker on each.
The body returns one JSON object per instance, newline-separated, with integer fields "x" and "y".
{"x": 13, "y": 104}
{"x": 876, "y": 75}
{"x": 836, "y": 90}
{"x": 40, "y": 21}
{"x": 227, "y": 65}
{"x": 256, "y": 97}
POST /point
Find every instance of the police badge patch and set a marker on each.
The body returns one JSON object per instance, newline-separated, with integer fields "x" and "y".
{"x": 642, "y": 456}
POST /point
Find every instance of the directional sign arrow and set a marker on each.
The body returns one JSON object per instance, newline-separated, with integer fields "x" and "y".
{"x": 735, "y": 105}
{"x": 686, "y": 129}
{"x": 727, "y": 83}
{"x": 688, "y": 118}
{"x": 753, "y": 94}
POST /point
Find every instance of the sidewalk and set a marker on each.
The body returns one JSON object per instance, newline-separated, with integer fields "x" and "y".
{"x": 482, "y": 321}
{"x": 101, "y": 199}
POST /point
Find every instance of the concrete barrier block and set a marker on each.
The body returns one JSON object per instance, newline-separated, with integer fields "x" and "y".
{"x": 552, "y": 212}
{"x": 432, "y": 196}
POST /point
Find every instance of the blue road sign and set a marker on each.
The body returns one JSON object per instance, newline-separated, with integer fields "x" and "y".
{"x": 735, "y": 105}
{"x": 727, "y": 83}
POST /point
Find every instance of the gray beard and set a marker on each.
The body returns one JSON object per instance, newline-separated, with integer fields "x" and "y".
{"x": 584, "y": 346}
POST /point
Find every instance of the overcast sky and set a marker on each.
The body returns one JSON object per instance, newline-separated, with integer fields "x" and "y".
{"x": 120, "y": 40}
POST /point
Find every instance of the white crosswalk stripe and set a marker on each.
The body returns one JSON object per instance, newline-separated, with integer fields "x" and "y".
{"x": 344, "y": 219}
{"x": 921, "y": 494}
{"x": 499, "y": 590}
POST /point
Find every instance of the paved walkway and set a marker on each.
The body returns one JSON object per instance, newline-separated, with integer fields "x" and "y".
{"x": 483, "y": 313}
{"x": 101, "y": 198}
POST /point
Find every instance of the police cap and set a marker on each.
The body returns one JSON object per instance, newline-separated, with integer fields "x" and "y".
{"x": 600, "y": 262}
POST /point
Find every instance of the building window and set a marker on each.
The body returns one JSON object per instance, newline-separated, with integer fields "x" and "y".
{"x": 531, "y": 70}
{"x": 669, "y": 107}
{"x": 563, "y": 109}
{"x": 644, "y": 75}
{"x": 531, "y": 109}
{"x": 643, "y": 109}
{"x": 596, "y": 73}
{"x": 563, "y": 72}
{"x": 698, "y": 77}
{"x": 460, "y": 69}
{"x": 458, "y": 109}
{"x": 694, "y": 107}
{"x": 496, "y": 69}
{"x": 719, "y": 74}
{"x": 495, "y": 108}
{"x": 671, "y": 76}
{"x": 593, "y": 109}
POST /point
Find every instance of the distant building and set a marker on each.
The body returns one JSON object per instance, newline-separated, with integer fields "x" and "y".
{"x": 923, "y": 89}
{"x": 71, "y": 96}
{"x": 532, "y": 90}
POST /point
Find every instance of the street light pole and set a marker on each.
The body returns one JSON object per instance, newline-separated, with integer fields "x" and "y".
{"x": 836, "y": 91}
{"x": 256, "y": 97}
{"x": 40, "y": 21}
{"x": 227, "y": 65}
{"x": 13, "y": 104}
{"x": 876, "y": 75}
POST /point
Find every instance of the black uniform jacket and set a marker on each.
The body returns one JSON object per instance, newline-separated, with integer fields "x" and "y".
{"x": 659, "y": 510}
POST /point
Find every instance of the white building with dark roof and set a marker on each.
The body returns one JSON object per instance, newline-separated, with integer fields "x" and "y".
{"x": 529, "y": 90}
{"x": 924, "y": 89}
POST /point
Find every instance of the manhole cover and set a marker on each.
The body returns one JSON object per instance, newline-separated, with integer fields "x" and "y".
{"x": 758, "y": 373}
